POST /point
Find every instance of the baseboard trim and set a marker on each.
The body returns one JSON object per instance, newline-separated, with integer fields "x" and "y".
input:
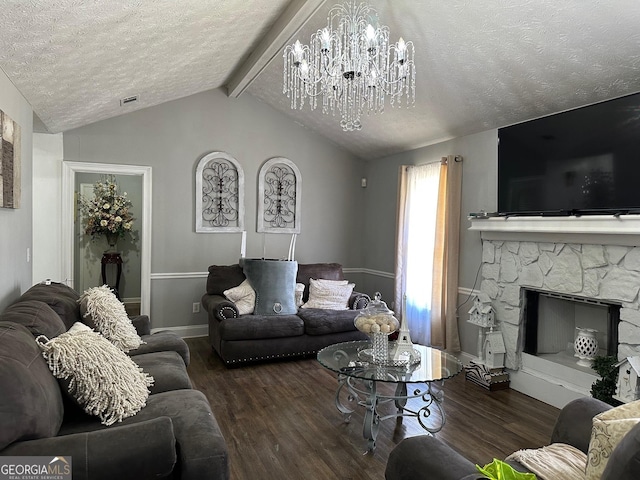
{"x": 186, "y": 331}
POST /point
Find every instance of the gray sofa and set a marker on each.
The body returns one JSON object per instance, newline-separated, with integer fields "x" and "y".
{"x": 249, "y": 338}
{"x": 427, "y": 458}
{"x": 174, "y": 436}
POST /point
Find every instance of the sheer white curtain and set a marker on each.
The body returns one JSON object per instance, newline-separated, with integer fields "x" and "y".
{"x": 428, "y": 250}
{"x": 416, "y": 243}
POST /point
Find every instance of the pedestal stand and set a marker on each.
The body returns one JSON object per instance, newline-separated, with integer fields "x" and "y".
{"x": 112, "y": 258}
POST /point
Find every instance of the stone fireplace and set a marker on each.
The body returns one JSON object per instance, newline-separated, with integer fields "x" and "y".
{"x": 590, "y": 259}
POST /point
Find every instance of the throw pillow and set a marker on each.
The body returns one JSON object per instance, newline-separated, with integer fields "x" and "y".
{"x": 102, "y": 311}
{"x": 243, "y": 296}
{"x": 101, "y": 378}
{"x": 274, "y": 282}
{"x": 31, "y": 404}
{"x": 499, "y": 470}
{"x": 609, "y": 428}
{"x": 299, "y": 294}
{"x": 329, "y": 294}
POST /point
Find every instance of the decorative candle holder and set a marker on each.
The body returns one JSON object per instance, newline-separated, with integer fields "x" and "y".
{"x": 585, "y": 346}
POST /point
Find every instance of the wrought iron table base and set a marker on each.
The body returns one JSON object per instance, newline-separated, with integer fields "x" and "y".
{"x": 367, "y": 396}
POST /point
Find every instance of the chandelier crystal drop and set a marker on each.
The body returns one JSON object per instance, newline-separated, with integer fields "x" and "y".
{"x": 351, "y": 66}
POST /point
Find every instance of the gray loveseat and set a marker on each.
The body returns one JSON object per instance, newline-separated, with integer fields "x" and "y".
{"x": 174, "y": 436}
{"x": 427, "y": 458}
{"x": 248, "y": 338}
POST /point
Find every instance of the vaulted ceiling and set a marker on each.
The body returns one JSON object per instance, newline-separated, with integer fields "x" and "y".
{"x": 480, "y": 64}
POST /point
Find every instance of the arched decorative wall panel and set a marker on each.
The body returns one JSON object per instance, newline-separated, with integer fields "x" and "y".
{"x": 219, "y": 194}
{"x": 279, "y": 195}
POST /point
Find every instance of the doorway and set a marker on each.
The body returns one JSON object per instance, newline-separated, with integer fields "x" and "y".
{"x": 80, "y": 258}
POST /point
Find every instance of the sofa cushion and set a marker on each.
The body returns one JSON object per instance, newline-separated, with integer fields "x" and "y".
{"x": 98, "y": 375}
{"x": 61, "y": 298}
{"x": 329, "y": 294}
{"x": 243, "y": 297}
{"x": 163, "y": 341}
{"x": 102, "y": 311}
{"x": 224, "y": 277}
{"x": 328, "y": 271}
{"x": 37, "y": 316}
{"x": 255, "y": 327}
{"x": 274, "y": 282}
{"x": 31, "y": 405}
{"x": 201, "y": 447}
{"x": 609, "y": 428}
{"x": 166, "y": 368}
{"x": 319, "y": 321}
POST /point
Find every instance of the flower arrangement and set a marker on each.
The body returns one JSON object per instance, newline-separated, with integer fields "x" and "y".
{"x": 107, "y": 213}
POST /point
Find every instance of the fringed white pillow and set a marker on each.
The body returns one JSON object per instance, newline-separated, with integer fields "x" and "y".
{"x": 103, "y": 311}
{"x": 329, "y": 294}
{"x": 102, "y": 379}
{"x": 243, "y": 296}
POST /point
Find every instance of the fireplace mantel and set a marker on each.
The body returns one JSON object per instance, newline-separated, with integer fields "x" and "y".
{"x": 595, "y": 229}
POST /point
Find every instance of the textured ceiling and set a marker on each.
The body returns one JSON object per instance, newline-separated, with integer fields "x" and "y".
{"x": 480, "y": 64}
{"x": 75, "y": 59}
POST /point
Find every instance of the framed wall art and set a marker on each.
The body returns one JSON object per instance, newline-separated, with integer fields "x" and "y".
{"x": 219, "y": 194}
{"x": 279, "y": 195}
{"x": 9, "y": 162}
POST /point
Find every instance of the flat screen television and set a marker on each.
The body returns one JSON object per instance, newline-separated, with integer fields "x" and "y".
{"x": 578, "y": 162}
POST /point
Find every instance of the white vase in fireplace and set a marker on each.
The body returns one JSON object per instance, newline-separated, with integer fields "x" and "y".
{"x": 585, "y": 346}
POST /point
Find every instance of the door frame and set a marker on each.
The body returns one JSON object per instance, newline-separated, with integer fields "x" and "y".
{"x": 69, "y": 207}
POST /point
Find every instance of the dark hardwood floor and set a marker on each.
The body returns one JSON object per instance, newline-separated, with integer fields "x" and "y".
{"x": 280, "y": 421}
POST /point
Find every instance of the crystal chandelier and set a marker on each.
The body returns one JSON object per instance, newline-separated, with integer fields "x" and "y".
{"x": 351, "y": 66}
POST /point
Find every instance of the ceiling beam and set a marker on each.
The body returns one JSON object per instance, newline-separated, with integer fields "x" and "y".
{"x": 292, "y": 19}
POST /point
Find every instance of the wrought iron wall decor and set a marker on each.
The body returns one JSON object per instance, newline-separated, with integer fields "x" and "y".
{"x": 219, "y": 194}
{"x": 279, "y": 195}
{"x": 10, "y": 147}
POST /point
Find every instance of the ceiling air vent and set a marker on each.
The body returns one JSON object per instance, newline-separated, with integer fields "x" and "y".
{"x": 127, "y": 100}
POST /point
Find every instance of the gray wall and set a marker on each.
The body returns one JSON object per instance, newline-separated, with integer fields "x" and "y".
{"x": 479, "y": 192}
{"x": 16, "y": 224}
{"x": 173, "y": 137}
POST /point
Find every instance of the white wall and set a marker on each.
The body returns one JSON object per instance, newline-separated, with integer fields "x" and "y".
{"x": 173, "y": 137}
{"x": 15, "y": 224}
{"x": 47, "y": 195}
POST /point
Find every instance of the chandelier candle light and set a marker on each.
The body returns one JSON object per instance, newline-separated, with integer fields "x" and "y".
{"x": 351, "y": 65}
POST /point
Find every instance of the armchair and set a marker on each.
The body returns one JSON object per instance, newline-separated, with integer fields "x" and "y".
{"x": 427, "y": 458}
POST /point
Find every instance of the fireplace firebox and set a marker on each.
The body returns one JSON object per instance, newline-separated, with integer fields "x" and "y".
{"x": 551, "y": 321}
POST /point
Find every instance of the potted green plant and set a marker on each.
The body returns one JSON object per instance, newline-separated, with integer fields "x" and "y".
{"x": 605, "y": 387}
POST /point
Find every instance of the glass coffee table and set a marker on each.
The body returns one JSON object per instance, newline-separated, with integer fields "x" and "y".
{"x": 360, "y": 377}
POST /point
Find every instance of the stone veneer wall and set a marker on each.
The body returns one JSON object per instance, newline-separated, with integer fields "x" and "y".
{"x": 603, "y": 272}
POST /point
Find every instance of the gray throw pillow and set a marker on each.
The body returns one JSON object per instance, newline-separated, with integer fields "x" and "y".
{"x": 274, "y": 282}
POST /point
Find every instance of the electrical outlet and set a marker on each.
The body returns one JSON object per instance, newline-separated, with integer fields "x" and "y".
{"x": 196, "y": 308}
